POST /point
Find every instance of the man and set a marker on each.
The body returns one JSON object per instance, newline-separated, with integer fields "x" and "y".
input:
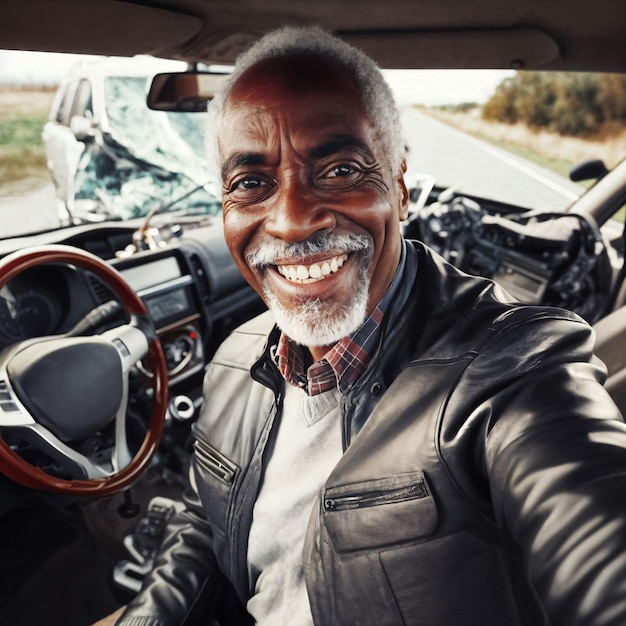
{"x": 408, "y": 445}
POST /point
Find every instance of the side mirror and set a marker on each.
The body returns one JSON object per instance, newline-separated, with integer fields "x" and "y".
{"x": 81, "y": 127}
{"x": 187, "y": 92}
{"x": 588, "y": 170}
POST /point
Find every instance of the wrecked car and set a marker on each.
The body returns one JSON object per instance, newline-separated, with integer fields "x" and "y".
{"x": 113, "y": 158}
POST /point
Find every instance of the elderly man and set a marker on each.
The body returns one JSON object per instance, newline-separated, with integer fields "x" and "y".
{"x": 394, "y": 442}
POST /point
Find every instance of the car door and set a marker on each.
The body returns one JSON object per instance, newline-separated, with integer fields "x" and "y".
{"x": 63, "y": 145}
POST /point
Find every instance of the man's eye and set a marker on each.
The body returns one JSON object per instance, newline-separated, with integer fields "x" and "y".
{"x": 341, "y": 175}
{"x": 248, "y": 184}
{"x": 342, "y": 170}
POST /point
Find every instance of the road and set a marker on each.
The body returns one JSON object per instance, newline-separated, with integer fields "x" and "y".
{"x": 479, "y": 168}
{"x": 451, "y": 156}
{"x": 30, "y": 210}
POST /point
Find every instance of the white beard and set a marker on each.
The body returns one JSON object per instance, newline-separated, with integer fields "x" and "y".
{"x": 316, "y": 322}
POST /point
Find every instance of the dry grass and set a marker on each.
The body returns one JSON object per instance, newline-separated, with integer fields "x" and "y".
{"x": 23, "y": 113}
{"x": 610, "y": 146}
{"x": 18, "y": 103}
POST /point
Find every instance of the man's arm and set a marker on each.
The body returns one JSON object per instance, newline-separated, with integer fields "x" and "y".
{"x": 556, "y": 461}
{"x": 184, "y": 569}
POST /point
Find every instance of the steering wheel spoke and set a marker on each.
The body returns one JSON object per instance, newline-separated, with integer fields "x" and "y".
{"x": 120, "y": 455}
{"x": 12, "y": 411}
{"x": 95, "y": 465}
{"x": 130, "y": 342}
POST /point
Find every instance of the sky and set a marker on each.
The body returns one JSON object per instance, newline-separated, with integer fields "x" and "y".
{"x": 429, "y": 87}
{"x": 436, "y": 87}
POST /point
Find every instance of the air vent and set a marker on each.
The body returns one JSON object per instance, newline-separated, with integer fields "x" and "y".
{"x": 100, "y": 291}
{"x": 201, "y": 279}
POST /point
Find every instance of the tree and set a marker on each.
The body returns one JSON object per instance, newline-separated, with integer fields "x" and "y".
{"x": 564, "y": 102}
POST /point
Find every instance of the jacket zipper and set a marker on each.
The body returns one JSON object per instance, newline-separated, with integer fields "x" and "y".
{"x": 376, "y": 498}
{"x": 216, "y": 463}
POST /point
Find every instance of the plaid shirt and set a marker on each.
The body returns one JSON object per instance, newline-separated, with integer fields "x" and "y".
{"x": 344, "y": 363}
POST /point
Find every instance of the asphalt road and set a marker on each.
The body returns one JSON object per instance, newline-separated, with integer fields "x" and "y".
{"x": 478, "y": 168}
{"x": 31, "y": 210}
{"x": 447, "y": 154}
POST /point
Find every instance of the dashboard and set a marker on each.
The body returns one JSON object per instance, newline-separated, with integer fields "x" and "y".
{"x": 196, "y": 296}
{"x": 192, "y": 289}
{"x": 34, "y": 303}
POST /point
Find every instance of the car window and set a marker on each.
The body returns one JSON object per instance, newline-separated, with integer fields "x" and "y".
{"x": 134, "y": 158}
{"x": 65, "y": 108}
{"x": 82, "y": 104}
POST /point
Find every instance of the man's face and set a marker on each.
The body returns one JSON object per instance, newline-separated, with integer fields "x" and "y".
{"x": 311, "y": 207}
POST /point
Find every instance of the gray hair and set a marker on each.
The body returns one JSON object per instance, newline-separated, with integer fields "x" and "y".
{"x": 376, "y": 93}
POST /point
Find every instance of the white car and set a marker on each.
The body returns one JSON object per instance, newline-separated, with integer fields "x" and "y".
{"x": 111, "y": 157}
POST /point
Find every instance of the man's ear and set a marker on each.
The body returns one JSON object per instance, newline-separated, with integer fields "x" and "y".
{"x": 403, "y": 192}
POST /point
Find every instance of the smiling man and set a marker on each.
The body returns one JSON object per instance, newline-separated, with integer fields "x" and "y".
{"x": 312, "y": 202}
{"x": 393, "y": 442}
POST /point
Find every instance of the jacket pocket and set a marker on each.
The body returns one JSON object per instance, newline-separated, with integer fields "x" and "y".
{"x": 380, "y": 512}
{"x": 214, "y": 462}
{"x": 461, "y": 565}
{"x": 215, "y": 477}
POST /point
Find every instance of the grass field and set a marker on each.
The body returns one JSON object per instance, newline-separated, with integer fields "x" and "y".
{"x": 23, "y": 114}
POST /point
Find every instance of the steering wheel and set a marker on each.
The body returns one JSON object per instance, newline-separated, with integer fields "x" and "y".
{"x": 57, "y": 390}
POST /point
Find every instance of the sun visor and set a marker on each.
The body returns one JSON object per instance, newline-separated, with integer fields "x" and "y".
{"x": 114, "y": 30}
{"x": 519, "y": 48}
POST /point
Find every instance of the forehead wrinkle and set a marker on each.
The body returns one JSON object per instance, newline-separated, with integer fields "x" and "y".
{"x": 257, "y": 127}
{"x": 340, "y": 143}
{"x": 270, "y": 130}
{"x": 241, "y": 159}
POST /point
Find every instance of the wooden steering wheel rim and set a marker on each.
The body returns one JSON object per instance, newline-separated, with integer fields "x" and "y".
{"x": 22, "y": 472}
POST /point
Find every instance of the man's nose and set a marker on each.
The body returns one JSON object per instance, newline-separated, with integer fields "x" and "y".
{"x": 297, "y": 213}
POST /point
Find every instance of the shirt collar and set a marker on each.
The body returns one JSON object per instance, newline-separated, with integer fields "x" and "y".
{"x": 346, "y": 361}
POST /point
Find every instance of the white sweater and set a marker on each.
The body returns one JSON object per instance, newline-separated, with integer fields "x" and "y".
{"x": 307, "y": 448}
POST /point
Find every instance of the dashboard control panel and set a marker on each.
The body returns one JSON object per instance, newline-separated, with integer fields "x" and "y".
{"x": 167, "y": 288}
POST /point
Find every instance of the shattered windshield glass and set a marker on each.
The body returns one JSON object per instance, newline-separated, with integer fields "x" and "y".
{"x": 146, "y": 160}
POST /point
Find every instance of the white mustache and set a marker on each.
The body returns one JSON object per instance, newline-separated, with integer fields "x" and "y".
{"x": 285, "y": 251}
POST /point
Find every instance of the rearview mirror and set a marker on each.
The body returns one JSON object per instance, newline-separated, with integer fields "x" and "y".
{"x": 188, "y": 92}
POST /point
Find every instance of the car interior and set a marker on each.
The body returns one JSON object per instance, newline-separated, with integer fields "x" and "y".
{"x": 107, "y": 326}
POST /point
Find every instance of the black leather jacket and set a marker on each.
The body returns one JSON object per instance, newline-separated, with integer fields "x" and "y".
{"x": 483, "y": 480}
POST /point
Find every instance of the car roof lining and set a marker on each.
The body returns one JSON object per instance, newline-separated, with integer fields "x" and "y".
{"x": 575, "y": 35}
{"x": 61, "y": 26}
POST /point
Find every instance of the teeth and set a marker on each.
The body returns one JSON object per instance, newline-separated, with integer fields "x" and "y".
{"x": 303, "y": 273}
{"x": 315, "y": 271}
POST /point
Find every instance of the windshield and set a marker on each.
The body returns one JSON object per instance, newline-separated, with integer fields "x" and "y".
{"x": 145, "y": 159}
{"x": 90, "y": 150}
{"x": 173, "y": 141}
